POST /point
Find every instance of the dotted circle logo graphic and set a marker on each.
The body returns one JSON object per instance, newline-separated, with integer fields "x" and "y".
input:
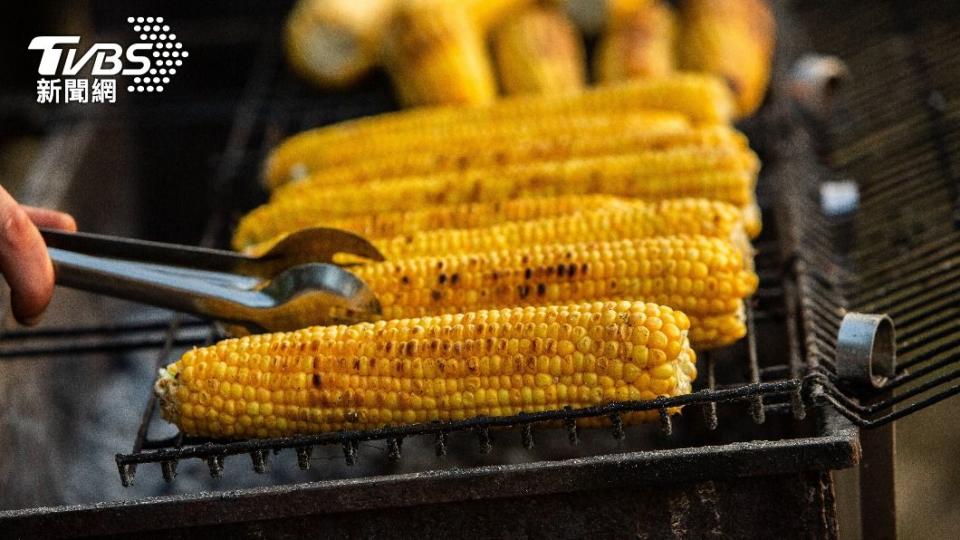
{"x": 166, "y": 56}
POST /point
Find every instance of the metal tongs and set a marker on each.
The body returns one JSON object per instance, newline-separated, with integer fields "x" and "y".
{"x": 293, "y": 285}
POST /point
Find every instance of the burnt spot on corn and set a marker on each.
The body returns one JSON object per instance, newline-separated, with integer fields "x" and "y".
{"x": 523, "y": 291}
{"x": 316, "y": 380}
{"x": 436, "y": 295}
{"x": 541, "y": 289}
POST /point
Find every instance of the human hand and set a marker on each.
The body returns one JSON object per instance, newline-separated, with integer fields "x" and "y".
{"x": 24, "y": 262}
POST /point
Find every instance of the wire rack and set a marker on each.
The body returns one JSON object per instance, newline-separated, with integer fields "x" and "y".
{"x": 899, "y": 254}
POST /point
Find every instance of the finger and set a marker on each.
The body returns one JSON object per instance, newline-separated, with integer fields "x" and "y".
{"x": 24, "y": 261}
{"x": 44, "y": 217}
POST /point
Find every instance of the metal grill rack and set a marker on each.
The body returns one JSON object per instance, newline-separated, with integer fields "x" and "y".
{"x": 900, "y": 252}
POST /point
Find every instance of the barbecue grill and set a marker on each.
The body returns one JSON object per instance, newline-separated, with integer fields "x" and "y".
{"x": 770, "y": 421}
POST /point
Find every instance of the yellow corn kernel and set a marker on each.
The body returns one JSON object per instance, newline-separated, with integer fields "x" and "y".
{"x": 700, "y": 98}
{"x": 637, "y": 43}
{"x": 733, "y": 39}
{"x": 539, "y": 51}
{"x": 541, "y": 388}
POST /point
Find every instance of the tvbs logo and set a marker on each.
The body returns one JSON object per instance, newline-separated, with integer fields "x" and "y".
{"x": 106, "y": 57}
{"x": 150, "y": 62}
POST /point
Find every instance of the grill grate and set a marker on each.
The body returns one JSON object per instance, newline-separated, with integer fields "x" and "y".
{"x": 898, "y": 141}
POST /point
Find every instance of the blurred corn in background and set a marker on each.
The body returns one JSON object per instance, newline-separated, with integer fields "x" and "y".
{"x": 733, "y": 39}
{"x": 538, "y": 50}
{"x": 336, "y": 42}
{"x": 639, "y": 40}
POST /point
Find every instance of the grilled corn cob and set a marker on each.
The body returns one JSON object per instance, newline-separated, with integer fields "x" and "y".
{"x": 453, "y": 367}
{"x": 733, "y": 39}
{"x": 470, "y": 146}
{"x": 637, "y": 220}
{"x": 493, "y": 155}
{"x": 314, "y": 206}
{"x": 455, "y": 216}
{"x": 435, "y": 54}
{"x": 636, "y": 44}
{"x": 701, "y": 98}
{"x": 550, "y": 273}
{"x": 715, "y": 173}
{"x": 539, "y": 51}
{"x": 630, "y": 219}
{"x": 335, "y": 42}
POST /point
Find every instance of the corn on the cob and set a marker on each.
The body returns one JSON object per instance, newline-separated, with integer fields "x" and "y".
{"x": 607, "y": 171}
{"x": 723, "y": 174}
{"x": 714, "y": 270}
{"x": 637, "y": 44}
{"x": 335, "y": 42}
{"x": 435, "y": 54}
{"x": 460, "y": 147}
{"x": 633, "y": 219}
{"x": 539, "y": 51}
{"x": 701, "y": 98}
{"x": 492, "y": 155}
{"x": 453, "y": 367}
{"x": 733, "y": 39}
{"x": 313, "y": 206}
{"x": 455, "y": 216}
{"x": 637, "y": 220}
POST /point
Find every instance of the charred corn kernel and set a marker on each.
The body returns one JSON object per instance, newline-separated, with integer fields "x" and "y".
{"x": 435, "y": 54}
{"x": 698, "y": 275}
{"x": 637, "y": 43}
{"x": 636, "y": 219}
{"x": 699, "y": 97}
{"x": 539, "y": 51}
{"x": 330, "y": 378}
{"x": 733, "y": 39}
{"x": 623, "y": 137}
{"x": 335, "y": 42}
